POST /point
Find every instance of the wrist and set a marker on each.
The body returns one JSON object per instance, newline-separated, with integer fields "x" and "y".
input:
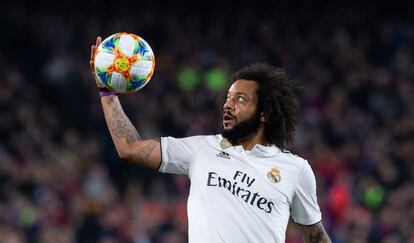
{"x": 105, "y": 92}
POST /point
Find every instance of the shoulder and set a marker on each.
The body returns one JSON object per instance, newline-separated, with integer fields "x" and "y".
{"x": 293, "y": 158}
{"x": 299, "y": 166}
{"x": 305, "y": 175}
{"x": 204, "y": 139}
{"x": 197, "y": 140}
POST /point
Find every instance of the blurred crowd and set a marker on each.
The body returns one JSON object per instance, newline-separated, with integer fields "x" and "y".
{"x": 61, "y": 179}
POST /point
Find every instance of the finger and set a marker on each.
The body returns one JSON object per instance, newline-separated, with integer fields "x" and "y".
{"x": 98, "y": 41}
{"x": 92, "y": 60}
{"x": 92, "y": 52}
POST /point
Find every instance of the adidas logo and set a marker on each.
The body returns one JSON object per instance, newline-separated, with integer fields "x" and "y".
{"x": 223, "y": 155}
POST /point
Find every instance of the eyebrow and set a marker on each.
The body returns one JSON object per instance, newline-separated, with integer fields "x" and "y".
{"x": 239, "y": 93}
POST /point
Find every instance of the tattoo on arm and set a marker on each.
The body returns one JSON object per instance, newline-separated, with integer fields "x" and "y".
{"x": 314, "y": 233}
{"x": 119, "y": 124}
{"x": 126, "y": 138}
{"x": 144, "y": 152}
{"x": 127, "y": 141}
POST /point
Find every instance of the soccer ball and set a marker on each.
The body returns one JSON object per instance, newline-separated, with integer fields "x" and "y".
{"x": 124, "y": 63}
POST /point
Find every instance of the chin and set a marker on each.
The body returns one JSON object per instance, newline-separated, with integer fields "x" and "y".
{"x": 228, "y": 128}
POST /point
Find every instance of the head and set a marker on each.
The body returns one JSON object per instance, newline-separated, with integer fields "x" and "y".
{"x": 261, "y": 98}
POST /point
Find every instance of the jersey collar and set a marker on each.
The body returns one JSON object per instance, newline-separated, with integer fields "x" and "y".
{"x": 258, "y": 150}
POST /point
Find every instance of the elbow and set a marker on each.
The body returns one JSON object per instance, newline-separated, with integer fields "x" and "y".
{"x": 124, "y": 153}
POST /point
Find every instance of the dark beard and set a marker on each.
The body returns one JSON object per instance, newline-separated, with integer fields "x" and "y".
{"x": 243, "y": 129}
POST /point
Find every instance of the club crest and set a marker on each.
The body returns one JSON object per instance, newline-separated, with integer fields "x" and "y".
{"x": 274, "y": 175}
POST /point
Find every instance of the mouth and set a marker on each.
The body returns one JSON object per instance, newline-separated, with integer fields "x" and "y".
{"x": 228, "y": 119}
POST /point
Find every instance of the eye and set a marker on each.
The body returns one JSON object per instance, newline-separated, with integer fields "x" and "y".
{"x": 241, "y": 98}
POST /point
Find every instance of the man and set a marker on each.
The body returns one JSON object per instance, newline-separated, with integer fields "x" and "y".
{"x": 244, "y": 184}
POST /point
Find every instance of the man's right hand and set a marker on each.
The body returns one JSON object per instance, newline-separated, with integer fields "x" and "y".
{"x": 92, "y": 63}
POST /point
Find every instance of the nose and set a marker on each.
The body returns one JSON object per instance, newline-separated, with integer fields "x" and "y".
{"x": 229, "y": 104}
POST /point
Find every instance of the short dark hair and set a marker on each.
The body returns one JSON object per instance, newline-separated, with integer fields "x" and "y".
{"x": 276, "y": 99}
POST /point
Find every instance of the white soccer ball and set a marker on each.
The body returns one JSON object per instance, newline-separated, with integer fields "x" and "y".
{"x": 124, "y": 63}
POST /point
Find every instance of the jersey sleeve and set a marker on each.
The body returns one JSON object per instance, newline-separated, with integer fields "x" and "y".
{"x": 304, "y": 207}
{"x": 178, "y": 154}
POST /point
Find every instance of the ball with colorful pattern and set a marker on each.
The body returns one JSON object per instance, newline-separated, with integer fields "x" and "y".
{"x": 124, "y": 63}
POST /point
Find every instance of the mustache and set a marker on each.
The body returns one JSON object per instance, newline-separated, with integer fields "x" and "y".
{"x": 228, "y": 114}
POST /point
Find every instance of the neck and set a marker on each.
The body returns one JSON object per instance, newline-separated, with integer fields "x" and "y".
{"x": 250, "y": 141}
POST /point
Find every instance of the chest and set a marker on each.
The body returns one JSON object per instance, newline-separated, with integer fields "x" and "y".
{"x": 261, "y": 179}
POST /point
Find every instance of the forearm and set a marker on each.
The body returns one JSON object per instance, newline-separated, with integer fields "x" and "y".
{"x": 126, "y": 138}
{"x": 122, "y": 130}
{"x": 314, "y": 233}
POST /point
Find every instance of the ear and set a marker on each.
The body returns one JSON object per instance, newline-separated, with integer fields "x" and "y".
{"x": 262, "y": 117}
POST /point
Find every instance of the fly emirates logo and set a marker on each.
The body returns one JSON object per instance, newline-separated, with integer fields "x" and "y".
{"x": 241, "y": 190}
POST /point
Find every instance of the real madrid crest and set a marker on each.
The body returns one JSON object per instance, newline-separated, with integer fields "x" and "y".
{"x": 274, "y": 175}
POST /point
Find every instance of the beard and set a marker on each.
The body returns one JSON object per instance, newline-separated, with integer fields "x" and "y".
{"x": 243, "y": 129}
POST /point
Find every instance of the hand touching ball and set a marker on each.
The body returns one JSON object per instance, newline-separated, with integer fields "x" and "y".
{"x": 122, "y": 62}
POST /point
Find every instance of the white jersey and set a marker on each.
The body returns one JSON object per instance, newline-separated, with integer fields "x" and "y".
{"x": 239, "y": 196}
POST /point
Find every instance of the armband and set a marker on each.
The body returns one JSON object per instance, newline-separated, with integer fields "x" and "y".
{"x": 106, "y": 93}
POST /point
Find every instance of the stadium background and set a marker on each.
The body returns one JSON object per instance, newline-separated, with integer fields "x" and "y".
{"x": 61, "y": 180}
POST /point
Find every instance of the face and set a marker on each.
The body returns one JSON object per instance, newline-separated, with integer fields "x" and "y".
{"x": 240, "y": 116}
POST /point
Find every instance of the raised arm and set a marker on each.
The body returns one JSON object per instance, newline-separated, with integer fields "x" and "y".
{"x": 126, "y": 138}
{"x": 127, "y": 141}
{"x": 314, "y": 233}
